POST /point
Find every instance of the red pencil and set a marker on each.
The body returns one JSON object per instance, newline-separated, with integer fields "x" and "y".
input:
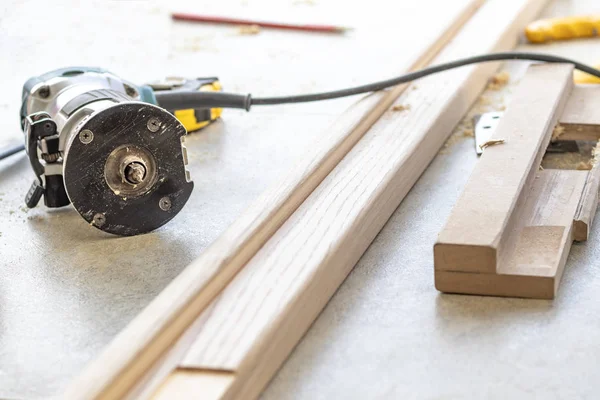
{"x": 262, "y": 24}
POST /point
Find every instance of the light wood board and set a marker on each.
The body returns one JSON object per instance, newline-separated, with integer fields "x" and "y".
{"x": 257, "y": 320}
{"x": 580, "y": 119}
{"x": 154, "y": 331}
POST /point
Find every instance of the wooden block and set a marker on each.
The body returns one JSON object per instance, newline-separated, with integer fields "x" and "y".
{"x": 580, "y": 119}
{"x": 478, "y": 233}
{"x": 535, "y": 261}
{"x": 200, "y": 384}
{"x": 588, "y": 205}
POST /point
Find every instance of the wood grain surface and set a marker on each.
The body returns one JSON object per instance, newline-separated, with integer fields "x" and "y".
{"x": 154, "y": 331}
{"x": 479, "y": 233}
{"x": 258, "y": 319}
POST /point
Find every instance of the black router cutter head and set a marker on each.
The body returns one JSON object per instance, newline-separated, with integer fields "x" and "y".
{"x": 124, "y": 171}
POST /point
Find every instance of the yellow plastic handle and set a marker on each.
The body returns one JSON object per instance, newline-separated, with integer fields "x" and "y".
{"x": 563, "y": 28}
{"x": 582, "y": 77}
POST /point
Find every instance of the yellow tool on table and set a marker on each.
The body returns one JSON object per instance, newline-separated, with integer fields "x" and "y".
{"x": 545, "y": 30}
{"x": 192, "y": 119}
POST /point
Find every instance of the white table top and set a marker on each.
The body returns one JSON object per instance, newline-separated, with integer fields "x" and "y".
{"x": 67, "y": 289}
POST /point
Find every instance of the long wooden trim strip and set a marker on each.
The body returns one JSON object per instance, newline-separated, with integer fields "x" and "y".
{"x": 261, "y": 315}
{"x": 155, "y": 330}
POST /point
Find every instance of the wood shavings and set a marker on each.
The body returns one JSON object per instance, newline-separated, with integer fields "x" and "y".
{"x": 584, "y": 165}
{"x": 249, "y": 29}
{"x": 401, "y": 107}
{"x": 484, "y": 101}
{"x": 499, "y": 80}
{"x": 492, "y": 142}
{"x": 468, "y": 132}
{"x": 557, "y": 132}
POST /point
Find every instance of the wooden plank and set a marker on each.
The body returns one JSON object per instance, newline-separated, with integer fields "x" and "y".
{"x": 538, "y": 256}
{"x": 580, "y": 119}
{"x": 203, "y": 385}
{"x": 588, "y": 205}
{"x": 268, "y": 306}
{"x": 156, "y": 329}
{"x": 478, "y": 233}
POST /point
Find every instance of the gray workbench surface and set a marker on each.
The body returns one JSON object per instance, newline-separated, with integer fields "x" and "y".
{"x": 66, "y": 289}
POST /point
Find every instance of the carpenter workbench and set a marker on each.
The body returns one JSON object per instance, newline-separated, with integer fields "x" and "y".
{"x": 67, "y": 289}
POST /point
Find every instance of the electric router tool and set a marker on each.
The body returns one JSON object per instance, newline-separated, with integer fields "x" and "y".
{"x": 115, "y": 150}
{"x": 102, "y": 144}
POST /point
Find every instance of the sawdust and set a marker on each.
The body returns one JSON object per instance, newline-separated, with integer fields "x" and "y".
{"x": 452, "y": 140}
{"x": 248, "y": 30}
{"x": 492, "y": 142}
{"x": 490, "y": 101}
{"x": 581, "y": 160}
{"x": 557, "y": 132}
{"x": 499, "y": 80}
{"x": 198, "y": 43}
{"x": 401, "y": 107}
{"x": 484, "y": 101}
{"x": 462, "y": 131}
{"x": 584, "y": 165}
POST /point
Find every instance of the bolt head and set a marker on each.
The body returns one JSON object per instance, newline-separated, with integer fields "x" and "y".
{"x": 44, "y": 92}
{"x": 153, "y": 125}
{"x": 130, "y": 91}
{"x": 165, "y": 203}
{"x": 86, "y": 136}
{"x": 99, "y": 219}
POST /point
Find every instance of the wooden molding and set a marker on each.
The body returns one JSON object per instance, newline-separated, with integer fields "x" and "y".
{"x": 137, "y": 348}
{"x": 254, "y": 324}
{"x": 512, "y": 228}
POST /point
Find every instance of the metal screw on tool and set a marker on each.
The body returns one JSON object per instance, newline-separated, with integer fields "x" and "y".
{"x": 99, "y": 220}
{"x": 165, "y": 204}
{"x": 153, "y": 124}
{"x": 86, "y": 136}
{"x": 130, "y": 91}
{"x": 44, "y": 92}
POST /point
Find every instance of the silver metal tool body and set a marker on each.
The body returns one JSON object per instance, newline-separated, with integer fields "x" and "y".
{"x": 98, "y": 142}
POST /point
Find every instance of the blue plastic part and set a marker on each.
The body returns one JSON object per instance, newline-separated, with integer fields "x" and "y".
{"x": 147, "y": 94}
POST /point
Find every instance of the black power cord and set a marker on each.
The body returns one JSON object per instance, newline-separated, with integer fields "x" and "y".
{"x": 178, "y": 100}
{"x": 185, "y": 100}
{"x": 10, "y": 151}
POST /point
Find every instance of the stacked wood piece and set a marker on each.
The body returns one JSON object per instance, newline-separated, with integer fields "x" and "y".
{"x": 512, "y": 228}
